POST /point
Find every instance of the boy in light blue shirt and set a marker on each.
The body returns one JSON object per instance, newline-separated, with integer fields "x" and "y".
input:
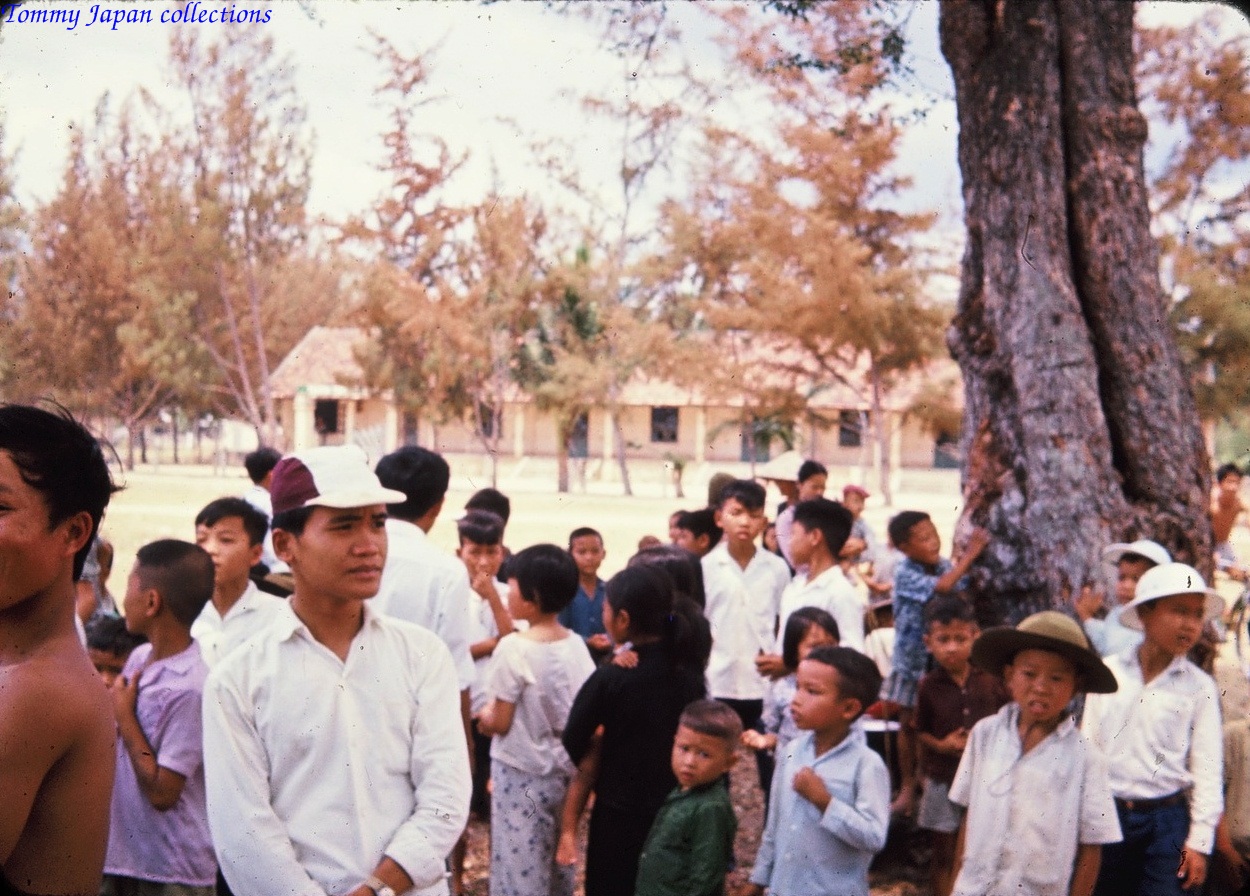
{"x": 830, "y": 804}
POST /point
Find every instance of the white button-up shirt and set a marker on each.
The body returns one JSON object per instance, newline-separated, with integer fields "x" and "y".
{"x": 742, "y": 609}
{"x": 422, "y": 584}
{"x": 832, "y": 592}
{"x": 317, "y": 768}
{"x": 1027, "y": 812}
{"x": 1162, "y": 737}
{"x": 251, "y": 612}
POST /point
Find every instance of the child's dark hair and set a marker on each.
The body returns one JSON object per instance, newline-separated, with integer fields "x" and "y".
{"x": 797, "y": 627}
{"x": 646, "y": 592}
{"x": 832, "y": 519}
{"x": 59, "y": 458}
{"x": 700, "y": 522}
{"x": 713, "y": 718}
{"x": 858, "y": 677}
{"x": 584, "y": 532}
{"x": 943, "y": 609}
{"x": 491, "y": 499}
{"x": 810, "y": 468}
{"x": 682, "y": 567}
{"x": 545, "y": 574}
{"x": 421, "y": 474}
{"x": 1226, "y": 470}
{"x": 747, "y": 492}
{"x": 260, "y": 463}
{"x": 293, "y": 520}
{"x": 255, "y": 523}
{"x": 180, "y": 572}
{"x": 108, "y": 634}
{"x": 480, "y": 527}
{"x": 901, "y": 524}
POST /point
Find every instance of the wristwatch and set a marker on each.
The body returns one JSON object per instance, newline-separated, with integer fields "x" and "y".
{"x": 378, "y": 887}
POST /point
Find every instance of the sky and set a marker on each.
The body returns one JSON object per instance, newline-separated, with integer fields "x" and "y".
{"x": 503, "y": 74}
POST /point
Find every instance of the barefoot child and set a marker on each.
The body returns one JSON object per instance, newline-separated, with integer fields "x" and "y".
{"x": 1038, "y": 805}
{"x": 159, "y": 842}
{"x": 1161, "y": 734}
{"x": 830, "y": 802}
{"x": 922, "y": 574}
{"x": 532, "y": 680}
{"x": 690, "y": 846}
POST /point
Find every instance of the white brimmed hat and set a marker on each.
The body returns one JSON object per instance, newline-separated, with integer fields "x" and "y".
{"x": 332, "y": 476}
{"x": 1143, "y": 547}
{"x": 1170, "y": 580}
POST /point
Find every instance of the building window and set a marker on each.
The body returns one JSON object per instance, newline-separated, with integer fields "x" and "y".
{"x": 327, "y": 416}
{"x": 850, "y": 429}
{"x": 664, "y": 425}
{"x": 579, "y": 438}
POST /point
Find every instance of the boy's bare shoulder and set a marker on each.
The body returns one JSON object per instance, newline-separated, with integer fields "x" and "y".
{"x": 48, "y": 699}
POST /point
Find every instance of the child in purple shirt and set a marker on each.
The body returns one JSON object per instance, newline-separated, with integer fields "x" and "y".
{"x": 158, "y": 834}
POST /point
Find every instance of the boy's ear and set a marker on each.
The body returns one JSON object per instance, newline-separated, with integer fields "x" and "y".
{"x": 852, "y": 709}
{"x": 701, "y": 541}
{"x": 77, "y": 529}
{"x": 255, "y": 552}
{"x": 623, "y": 617}
{"x": 716, "y": 515}
{"x": 283, "y": 545}
{"x": 153, "y": 603}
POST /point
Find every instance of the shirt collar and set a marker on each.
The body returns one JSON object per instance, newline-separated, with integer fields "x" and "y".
{"x": 286, "y": 624}
{"x": 1176, "y": 667}
{"x": 180, "y": 664}
{"x": 403, "y": 530}
{"x": 854, "y": 737}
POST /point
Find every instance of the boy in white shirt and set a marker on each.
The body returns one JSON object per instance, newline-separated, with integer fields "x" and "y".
{"x": 1039, "y": 808}
{"x": 1161, "y": 733}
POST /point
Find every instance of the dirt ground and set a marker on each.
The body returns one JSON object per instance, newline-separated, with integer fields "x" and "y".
{"x": 900, "y": 869}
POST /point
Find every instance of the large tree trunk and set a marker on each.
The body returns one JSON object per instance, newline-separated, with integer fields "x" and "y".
{"x": 1079, "y": 422}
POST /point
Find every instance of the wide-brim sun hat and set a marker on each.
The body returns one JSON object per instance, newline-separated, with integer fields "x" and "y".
{"x": 336, "y": 476}
{"x": 1052, "y": 631}
{"x": 1143, "y": 547}
{"x": 1171, "y": 580}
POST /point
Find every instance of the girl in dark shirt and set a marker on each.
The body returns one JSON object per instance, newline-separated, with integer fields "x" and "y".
{"x": 637, "y": 709}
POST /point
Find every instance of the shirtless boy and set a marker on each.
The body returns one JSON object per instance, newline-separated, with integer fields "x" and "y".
{"x": 1226, "y": 506}
{"x": 56, "y": 720}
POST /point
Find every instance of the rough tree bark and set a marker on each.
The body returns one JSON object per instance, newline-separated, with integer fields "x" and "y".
{"x": 1079, "y": 425}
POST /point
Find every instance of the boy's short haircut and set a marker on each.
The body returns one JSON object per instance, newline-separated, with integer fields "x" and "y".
{"x": 421, "y": 474}
{"x": 715, "y": 486}
{"x": 700, "y": 522}
{"x": 260, "y": 463}
{"x": 797, "y": 626}
{"x": 747, "y": 492}
{"x": 293, "y": 520}
{"x": 901, "y": 524}
{"x": 830, "y": 517}
{"x": 545, "y": 574}
{"x": 584, "y": 532}
{"x": 59, "y": 458}
{"x": 943, "y": 609}
{"x": 480, "y": 527}
{"x": 255, "y": 523}
{"x": 491, "y": 499}
{"x": 180, "y": 572}
{"x": 858, "y": 677}
{"x": 713, "y": 718}
{"x": 1226, "y": 470}
{"x": 108, "y": 634}
{"x": 810, "y": 468}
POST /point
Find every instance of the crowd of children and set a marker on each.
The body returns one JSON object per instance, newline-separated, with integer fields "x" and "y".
{"x": 1070, "y": 754}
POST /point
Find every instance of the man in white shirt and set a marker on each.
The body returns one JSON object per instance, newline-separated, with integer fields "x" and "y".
{"x": 231, "y": 530}
{"x": 420, "y": 583}
{"x": 333, "y": 753}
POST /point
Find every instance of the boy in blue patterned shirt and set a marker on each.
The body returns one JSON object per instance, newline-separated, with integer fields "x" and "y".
{"x": 923, "y": 573}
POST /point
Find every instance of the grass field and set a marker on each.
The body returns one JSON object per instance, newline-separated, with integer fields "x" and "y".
{"x": 161, "y": 502}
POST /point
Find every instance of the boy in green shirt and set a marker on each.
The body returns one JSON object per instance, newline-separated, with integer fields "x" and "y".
{"x": 690, "y": 846}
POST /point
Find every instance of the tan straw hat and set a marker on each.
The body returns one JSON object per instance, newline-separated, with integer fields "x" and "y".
{"x": 1170, "y": 580}
{"x": 1052, "y": 631}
